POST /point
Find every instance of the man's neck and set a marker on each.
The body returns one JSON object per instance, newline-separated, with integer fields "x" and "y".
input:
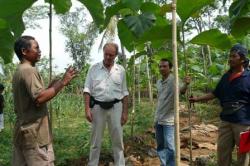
{"x": 238, "y": 69}
{"x": 164, "y": 77}
{"x": 24, "y": 61}
{"x": 108, "y": 66}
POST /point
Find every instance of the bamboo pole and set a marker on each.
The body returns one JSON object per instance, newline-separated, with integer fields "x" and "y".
{"x": 50, "y": 58}
{"x": 176, "y": 90}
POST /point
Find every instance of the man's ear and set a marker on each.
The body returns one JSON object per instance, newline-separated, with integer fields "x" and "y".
{"x": 24, "y": 51}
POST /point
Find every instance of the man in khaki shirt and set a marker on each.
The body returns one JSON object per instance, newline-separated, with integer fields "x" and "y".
{"x": 106, "y": 83}
{"x": 32, "y": 135}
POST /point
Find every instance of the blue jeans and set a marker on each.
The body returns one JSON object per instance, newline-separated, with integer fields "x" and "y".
{"x": 165, "y": 144}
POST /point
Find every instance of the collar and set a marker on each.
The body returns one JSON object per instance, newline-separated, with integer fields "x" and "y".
{"x": 101, "y": 66}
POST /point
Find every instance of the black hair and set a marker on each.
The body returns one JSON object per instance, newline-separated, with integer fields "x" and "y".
{"x": 1, "y": 87}
{"x": 22, "y": 43}
{"x": 112, "y": 44}
{"x": 169, "y": 62}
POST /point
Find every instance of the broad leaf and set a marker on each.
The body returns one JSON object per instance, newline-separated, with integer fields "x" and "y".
{"x": 238, "y": 8}
{"x": 126, "y": 36}
{"x": 132, "y": 4}
{"x": 150, "y": 7}
{"x": 241, "y": 27}
{"x": 11, "y": 13}
{"x": 95, "y": 8}
{"x": 141, "y": 23}
{"x": 157, "y": 33}
{"x": 111, "y": 11}
{"x": 186, "y": 8}
{"x": 3, "y": 24}
{"x": 6, "y": 45}
{"x": 213, "y": 38}
{"x": 61, "y": 6}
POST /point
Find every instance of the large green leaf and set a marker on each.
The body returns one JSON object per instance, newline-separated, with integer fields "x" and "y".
{"x": 95, "y": 8}
{"x": 61, "y": 6}
{"x": 126, "y": 36}
{"x": 11, "y": 15}
{"x": 140, "y": 23}
{"x": 213, "y": 38}
{"x": 157, "y": 33}
{"x": 241, "y": 27}
{"x": 150, "y": 7}
{"x": 132, "y": 4}
{"x": 3, "y": 24}
{"x": 6, "y": 45}
{"x": 186, "y": 8}
{"x": 238, "y": 8}
{"x": 111, "y": 11}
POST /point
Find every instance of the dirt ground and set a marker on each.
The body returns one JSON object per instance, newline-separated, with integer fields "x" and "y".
{"x": 140, "y": 150}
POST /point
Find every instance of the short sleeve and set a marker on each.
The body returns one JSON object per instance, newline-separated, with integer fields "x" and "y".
{"x": 88, "y": 82}
{"x": 33, "y": 82}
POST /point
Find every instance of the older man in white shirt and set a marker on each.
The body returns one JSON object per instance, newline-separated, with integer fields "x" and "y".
{"x": 105, "y": 88}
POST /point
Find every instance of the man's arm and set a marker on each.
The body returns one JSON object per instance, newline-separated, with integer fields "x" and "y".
{"x": 88, "y": 113}
{"x": 206, "y": 97}
{"x": 187, "y": 81}
{"x": 55, "y": 87}
{"x": 124, "y": 117}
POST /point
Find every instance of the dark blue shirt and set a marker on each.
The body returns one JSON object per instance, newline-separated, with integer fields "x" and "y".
{"x": 233, "y": 91}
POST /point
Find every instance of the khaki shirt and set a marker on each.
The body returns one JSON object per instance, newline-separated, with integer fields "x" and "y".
{"x": 104, "y": 85}
{"x": 27, "y": 85}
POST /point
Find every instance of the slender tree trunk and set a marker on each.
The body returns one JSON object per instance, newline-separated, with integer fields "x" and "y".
{"x": 133, "y": 98}
{"x": 50, "y": 59}
{"x": 204, "y": 61}
{"x": 149, "y": 82}
{"x": 138, "y": 82}
{"x": 176, "y": 80}
{"x": 210, "y": 62}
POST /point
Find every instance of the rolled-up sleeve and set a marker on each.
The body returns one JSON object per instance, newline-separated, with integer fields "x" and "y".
{"x": 88, "y": 82}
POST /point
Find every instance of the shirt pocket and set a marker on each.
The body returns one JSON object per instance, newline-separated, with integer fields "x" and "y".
{"x": 117, "y": 82}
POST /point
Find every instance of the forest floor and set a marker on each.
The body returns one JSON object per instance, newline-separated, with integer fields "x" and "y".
{"x": 140, "y": 150}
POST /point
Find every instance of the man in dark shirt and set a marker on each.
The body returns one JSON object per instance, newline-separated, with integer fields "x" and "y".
{"x": 233, "y": 92}
{"x": 1, "y": 107}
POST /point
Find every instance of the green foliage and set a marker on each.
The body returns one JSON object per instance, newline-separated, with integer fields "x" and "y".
{"x": 187, "y": 8}
{"x": 95, "y": 7}
{"x": 12, "y": 25}
{"x": 60, "y": 6}
{"x": 241, "y": 27}
{"x": 140, "y": 23}
{"x": 213, "y": 38}
{"x": 79, "y": 35}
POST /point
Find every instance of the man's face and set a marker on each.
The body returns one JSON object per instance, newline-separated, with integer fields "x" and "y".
{"x": 164, "y": 68}
{"x": 235, "y": 60}
{"x": 109, "y": 53}
{"x": 32, "y": 54}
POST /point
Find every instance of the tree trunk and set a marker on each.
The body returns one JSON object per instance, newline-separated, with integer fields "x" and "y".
{"x": 176, "y": 80}
{"x": 50, "y": 60}
{"x": 149, "y": 82}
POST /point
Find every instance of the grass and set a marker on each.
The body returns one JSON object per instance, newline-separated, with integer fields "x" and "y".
{"x": 71, "y": 130}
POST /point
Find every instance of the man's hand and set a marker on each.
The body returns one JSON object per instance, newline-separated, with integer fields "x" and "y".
{"x": 192, "y": 99}
{"x": 88, "y": 115}
{"x": 69, "y": 75}
{"x": 124, "y": 118}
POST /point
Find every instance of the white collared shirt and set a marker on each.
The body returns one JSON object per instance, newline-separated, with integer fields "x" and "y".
{"x": 106, "y": 85}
